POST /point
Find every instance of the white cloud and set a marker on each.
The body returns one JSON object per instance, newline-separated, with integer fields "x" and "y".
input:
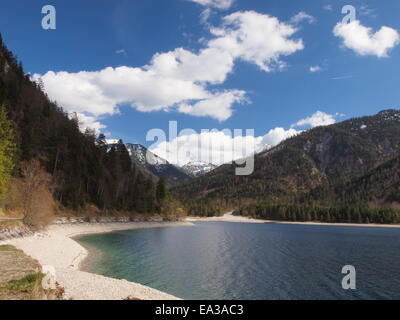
{"x": 222, "y": 146}
{"x": 217, "y": 106}
{"x": 256, "y": 38}
{"x": 302, "y": 16}
{"x": 205, "y": 15}
{"x": 215, "y": 147}
{"x": 319, "y": 118}
{"x": 219, "y": 4}
{"x": 89, "y": 122}
{"x": 315, "y": 69}
{"x": 277, "y": 135}
{"x": 364, "y": 42}
{"x": 210, "y": 65}
{"x": 100, "y": 92}
{"x": 328, "y": 7}
{"x": 180, "y": 80}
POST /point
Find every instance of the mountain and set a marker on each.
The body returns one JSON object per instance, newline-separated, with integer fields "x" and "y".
{"x": 145, "y": 157}
{"x": 154, "y": 164}
{"x": 380, "y": 186}
{"x": 83, "y": 172}
{"x": 313, "y": 161}
{"x": 157, "y": 165}
{"x": 198, "y": 168}
{"x": 372, "y": 198}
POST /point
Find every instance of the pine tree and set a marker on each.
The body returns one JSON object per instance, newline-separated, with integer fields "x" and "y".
{"x": 149, "y": 194}
{"x": 7, "y": 151}
{"x": 124, "y": 158}
{"x": 161, "y": 190}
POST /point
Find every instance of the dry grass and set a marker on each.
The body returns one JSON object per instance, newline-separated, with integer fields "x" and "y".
{"x": 29, "y": 284}
{"x": 21, "y": 279}
{"x": 19, "y": 275}
{"x": 6, "y": 247}
{"x": 9, "y": 224}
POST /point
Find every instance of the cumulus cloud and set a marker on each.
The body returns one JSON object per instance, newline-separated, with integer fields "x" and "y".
{"x": 276, "y": 136}
{"x": 180, "y": 80}
{"x": 364, "y": 41}
{"x": 219, "y": 4}
{"x": 100, "y": 92}
{"x": 256, "y": 38}
{"x": 218, "y": 106}
{"x": 224, "y": 146}
{"x": 319, "y": 118}
{"x": 302, "y": 16}
{"x": 90, "y": 122}
{"x": 215, "y": 147}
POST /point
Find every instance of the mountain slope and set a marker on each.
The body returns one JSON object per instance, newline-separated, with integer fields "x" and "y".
{"x": 83, "y": 171}
{"x": 323, "y": 156}
{"x": 197, "y": 169}
{"x": 154, "y": 165}
{"x": 380, "y": 186}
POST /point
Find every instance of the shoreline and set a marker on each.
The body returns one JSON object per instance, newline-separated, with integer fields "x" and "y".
{"x": 228, "y": 217}
{"x": 57, "y": 247}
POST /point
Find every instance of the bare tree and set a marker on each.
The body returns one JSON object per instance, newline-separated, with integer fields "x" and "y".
{"x": 37, "y": 201}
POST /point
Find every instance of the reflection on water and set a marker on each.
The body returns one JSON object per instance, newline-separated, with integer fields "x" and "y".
{"x": 217, "y": 260}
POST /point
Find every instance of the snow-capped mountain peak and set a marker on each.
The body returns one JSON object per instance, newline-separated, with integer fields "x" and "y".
{"x": 112, "y": 141}
{"x": 144, "y": 156}
{"x": 153, "y": 163}
{"x": 198, "y": 168}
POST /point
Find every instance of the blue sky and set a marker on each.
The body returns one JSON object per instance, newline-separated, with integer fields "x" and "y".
{"x": 351, "y": 78}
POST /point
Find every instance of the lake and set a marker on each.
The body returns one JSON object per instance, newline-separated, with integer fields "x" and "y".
{"x": 221, "y": 260}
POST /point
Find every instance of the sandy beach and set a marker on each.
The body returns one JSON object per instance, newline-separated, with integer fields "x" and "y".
{"x": 228, "y": 217}
{"x": 55, "y": 247}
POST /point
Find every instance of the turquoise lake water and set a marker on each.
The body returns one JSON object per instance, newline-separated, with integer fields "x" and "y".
{"x": 218, "y": 260}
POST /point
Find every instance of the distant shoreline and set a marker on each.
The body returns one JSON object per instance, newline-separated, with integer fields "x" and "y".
{"x": 56, "y": 247}
{"x": 228, "y": 217}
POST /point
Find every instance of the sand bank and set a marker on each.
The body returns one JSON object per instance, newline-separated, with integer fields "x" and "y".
{"x": 231, "y": 218}
{"x": 54, "y": 247}
{"x": 225, "y": 218}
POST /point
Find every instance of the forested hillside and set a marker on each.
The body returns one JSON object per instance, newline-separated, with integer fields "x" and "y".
{"x": 379, "y": 186}
{"x": 325, "y": 166}
{"x": 82, "y": 171}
